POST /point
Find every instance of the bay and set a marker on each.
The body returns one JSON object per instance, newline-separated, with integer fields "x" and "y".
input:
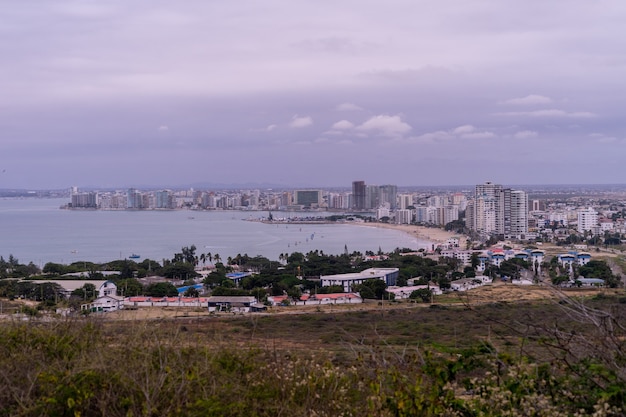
{"x": 37, "y": 230}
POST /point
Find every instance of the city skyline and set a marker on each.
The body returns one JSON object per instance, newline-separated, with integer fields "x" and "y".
{"x": 309, "y": 95}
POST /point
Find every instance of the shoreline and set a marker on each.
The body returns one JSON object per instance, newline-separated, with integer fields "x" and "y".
{"x": 431, "y": 234}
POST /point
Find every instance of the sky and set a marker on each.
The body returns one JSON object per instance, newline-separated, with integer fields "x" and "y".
{"x": 311, "y": 93}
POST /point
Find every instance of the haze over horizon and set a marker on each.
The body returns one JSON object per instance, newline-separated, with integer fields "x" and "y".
{"x": 311, "y": 93}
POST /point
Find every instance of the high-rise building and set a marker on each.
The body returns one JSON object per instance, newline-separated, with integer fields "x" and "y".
{"x": 497, "y": 210}
{"x": 389, "y": 195}
{"x": 358, "y": 195}
{"x": 133, "y": 199}
{"x": 405, "y": 200}
{"x": 587, "y": 220}
{"x": 84, "y": 200}
{"x": 488, "y": 212}
{"x": 164, "y": 199}
{"x": 309, "y": 198}
{"x": 372, "y": 197}
{"x": 404, "y": 216}
{"x": 519, "y": 213}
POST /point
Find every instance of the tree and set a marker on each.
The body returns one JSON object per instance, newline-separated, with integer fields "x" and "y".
{"x": 512, "y": 268}
{"x": 423, "y": 294}
{"x": 372, "y": 288}
{"x": 129, "y": 287}
{"x": 600, "y": 269}
{"x": 181, "y": 270}
{"x": 474, "y": 260}
{"x": 161, "y": 289}
{"x": 86, "y": 292}
{"x": 51, "y": 268}
{"x": 192, "y": 292}
{"x": 469, "y": 272}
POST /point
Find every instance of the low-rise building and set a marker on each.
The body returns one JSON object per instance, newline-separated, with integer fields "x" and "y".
{"x": 348, "y": 281}
{"x": 235, "y": 304}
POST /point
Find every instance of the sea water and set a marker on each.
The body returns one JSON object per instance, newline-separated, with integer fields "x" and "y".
{"x": 37, "y": 230}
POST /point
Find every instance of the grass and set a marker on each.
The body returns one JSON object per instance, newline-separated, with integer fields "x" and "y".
{"x": 438, "y": 360}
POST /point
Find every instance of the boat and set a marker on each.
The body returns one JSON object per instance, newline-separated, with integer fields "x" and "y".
{"x": 134, "y": 256}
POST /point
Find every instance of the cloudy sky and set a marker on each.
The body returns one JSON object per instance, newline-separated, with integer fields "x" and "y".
{"x": 311, "y": 93}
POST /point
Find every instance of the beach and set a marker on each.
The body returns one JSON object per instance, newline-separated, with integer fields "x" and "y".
{"x": 432, "y": 234}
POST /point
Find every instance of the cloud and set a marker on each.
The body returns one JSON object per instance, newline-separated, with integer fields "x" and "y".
{"x": 550, "y": 113}
{"x": 601, "y": 138}
{"x": 348, "y": 107}
{"x": 478, "y": 135}
{"x": 391, "y": 126}
{"x": 321, "y": 140}
{"x": 464, "y": 129}
{"x": 343, "y": 125}
{"x": 268, "y": 128}
{"x": 530, "y": 99}
{"x": 525, "y": 134}
{"x": 334, "y": 45}
{"x": 437, "y": 136}
{"x": 462, "y": 132}
{"x": 299, "y": 122}
{"x": 163, "y": 128}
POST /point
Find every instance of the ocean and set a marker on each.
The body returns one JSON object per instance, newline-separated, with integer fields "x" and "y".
{"x": 37, "y": 230}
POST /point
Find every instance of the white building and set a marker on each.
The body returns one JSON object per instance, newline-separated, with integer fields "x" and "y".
{"x": 347, "y": 281}
{"x": 382, "y": 212}
{"x": 587, "y": 220}
{"x": 404, "y": 201}
{"x": 107, "y": 300}
{"x": 498, "y": 210}
{"x": 404, "y": 216}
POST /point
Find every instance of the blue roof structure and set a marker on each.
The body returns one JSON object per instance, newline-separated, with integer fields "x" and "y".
{"x": 181, "y": 290}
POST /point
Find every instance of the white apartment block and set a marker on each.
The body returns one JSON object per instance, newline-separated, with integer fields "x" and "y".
{"x": 587, "y": 220}
{"x": 518, "y": 213}
{"x": 404, "y": 201}
{"x": 382, "y": 212}
{"x": 559, "y": 217}
{"x": 497, "y": 210}
{"x": 404, "y": 216}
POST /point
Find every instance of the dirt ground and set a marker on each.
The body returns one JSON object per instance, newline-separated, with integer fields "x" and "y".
{"x": 498, "y": 292}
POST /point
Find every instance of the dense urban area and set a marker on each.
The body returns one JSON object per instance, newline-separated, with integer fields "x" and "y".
{"x": 515, "y": 306}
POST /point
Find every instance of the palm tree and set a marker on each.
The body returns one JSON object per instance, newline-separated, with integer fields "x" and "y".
{"x": 217, "y": 258}
{"x": 209, "y": 257}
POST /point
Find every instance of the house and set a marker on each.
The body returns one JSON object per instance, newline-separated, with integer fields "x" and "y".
{"x": 104, "y": 304}
{"x": 107, "y": 300}
{"x": 107, "y": 288}
{"x": 276, "y": 300}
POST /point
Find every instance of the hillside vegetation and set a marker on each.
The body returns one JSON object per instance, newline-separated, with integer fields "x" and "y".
{"x": 540, "y": 358}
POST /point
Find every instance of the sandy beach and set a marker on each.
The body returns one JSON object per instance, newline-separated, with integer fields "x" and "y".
{"x": 432, "y": 234}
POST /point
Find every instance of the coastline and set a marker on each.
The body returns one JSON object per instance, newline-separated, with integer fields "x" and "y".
{"x": 432, "y": 234}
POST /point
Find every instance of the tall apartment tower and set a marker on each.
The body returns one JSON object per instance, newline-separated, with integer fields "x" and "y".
{"x": 389, "y": 194}
{"x": 358, "y": 195}
{"x": 518, "y": 213}
{"x": 498, "y": 210}
{"x": 405, "y": 200}
{"x": 488, "y": 212}
{"x": 587, "y": 219}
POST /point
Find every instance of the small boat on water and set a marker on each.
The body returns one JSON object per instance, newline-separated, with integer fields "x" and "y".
{"x": 134, "y": 256}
